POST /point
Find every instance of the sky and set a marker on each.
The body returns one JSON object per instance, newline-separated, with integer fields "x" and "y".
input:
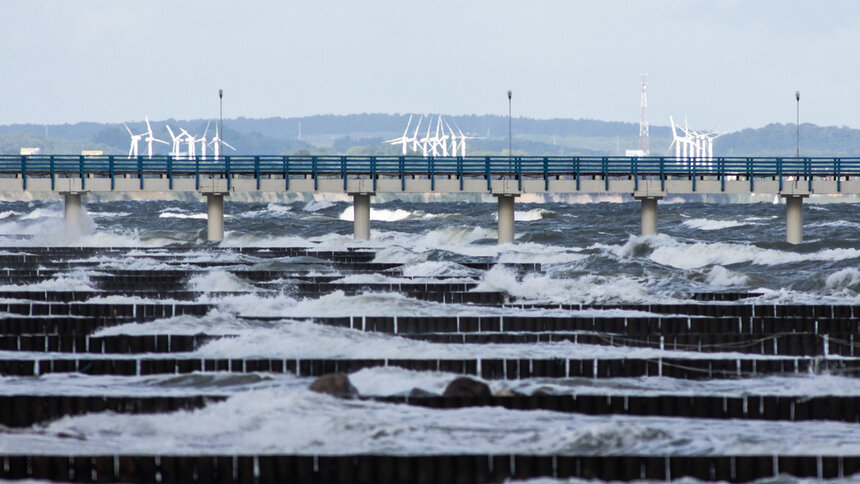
{"x": 722, "y": 65}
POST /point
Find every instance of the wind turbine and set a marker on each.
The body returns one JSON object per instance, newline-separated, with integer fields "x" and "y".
{"x": 442, "y": 140}
{"x": 217, "y": 142}
{"x": 192, "y": 143}
{"x": 135, "y": 141}
{"x": 414, "y": 137}
{"x": 403, "y": 140}
{"x": 150, "y": 138}
{"x": 176, "y": 150}
{"x": 202, "y": 141}
{"x": 463, "y": 138}
{"x": 425, "y": 142}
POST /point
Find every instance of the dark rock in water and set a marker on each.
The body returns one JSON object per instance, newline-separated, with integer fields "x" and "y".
{"x": 420, "y": 392}
{"x": 543, "y": 391}
{"x": 335, "y": 384}
{"x": 467, "y": 387}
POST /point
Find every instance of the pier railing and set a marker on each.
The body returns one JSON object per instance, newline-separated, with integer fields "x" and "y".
{"x": 490, "y": 167}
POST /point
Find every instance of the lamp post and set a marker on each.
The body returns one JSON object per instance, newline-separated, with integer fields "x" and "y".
{"x": 221, "y": 122}
{"x": 797, "y": 124}
{"x": 510, "y": 143}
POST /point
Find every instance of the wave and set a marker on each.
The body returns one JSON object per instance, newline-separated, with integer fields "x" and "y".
{"x": 171, "y": 214}
{"x": 379, "y": 214}
{"x": 707, "y": 224}
{"x": 38, "y": 213}
{"x": 8, "y": 213}
{"x": 317, "y": 205}
{"x": 670, "y": 252}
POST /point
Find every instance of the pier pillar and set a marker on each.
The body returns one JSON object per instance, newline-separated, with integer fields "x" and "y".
{"x": 215, "y": 217}
{"x": 506, "y": 219}
{"x": 793, "y": 219}
{"x": 74, "y": 213}
{"x": 361, "y": 215}
{"x": 649, "y": 215}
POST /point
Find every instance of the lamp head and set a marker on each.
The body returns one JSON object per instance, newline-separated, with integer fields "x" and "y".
{"x": 509, "y": 94}
{"x": 220, "y": 93}
{"x": 797, "y": 95}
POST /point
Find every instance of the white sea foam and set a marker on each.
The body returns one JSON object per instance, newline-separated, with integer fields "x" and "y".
{"x": 671, "y": 252}
{"x": 8, "y": 213}
{"x": 848, "y": 278}
{"x": 720, "y": 276}
{"x": 317, "y": 205}
{"x": 218, "y": 281}
{"x": 707, "y": 224}
{"x": 38, "y": 213}
{"x": 583, "y": 289}
{"x": 109, "y": 214}
{"x": 182, "y": 215}
{"x": 379, "y": 214}
{"x": 291, "y": 421}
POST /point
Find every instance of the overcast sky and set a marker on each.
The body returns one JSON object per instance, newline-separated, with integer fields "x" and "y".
{"x": 724, "y": 65}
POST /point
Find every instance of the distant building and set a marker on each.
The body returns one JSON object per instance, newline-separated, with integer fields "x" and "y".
{"x": 92, "y": 152}
{"x": 31, "y": 151}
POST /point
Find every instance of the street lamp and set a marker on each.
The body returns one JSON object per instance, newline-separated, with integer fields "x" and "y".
{"x": 221, "y": 122}
{"x": 510, "y": 144}
{"x": 797, "y": 124}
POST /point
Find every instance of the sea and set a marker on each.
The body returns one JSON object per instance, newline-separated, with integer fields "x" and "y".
{"x": 589, "y": 253}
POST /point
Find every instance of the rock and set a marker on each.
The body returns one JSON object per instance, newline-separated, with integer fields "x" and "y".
{"x": 335, "y": 384}
{"x": 466, "y": 387}
{"x": 420, "y": 392}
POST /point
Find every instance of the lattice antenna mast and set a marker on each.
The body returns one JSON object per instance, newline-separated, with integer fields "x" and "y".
{"x": 644, "y": 142}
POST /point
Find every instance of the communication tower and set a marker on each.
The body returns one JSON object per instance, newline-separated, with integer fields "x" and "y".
{"x": 644, "y": 143}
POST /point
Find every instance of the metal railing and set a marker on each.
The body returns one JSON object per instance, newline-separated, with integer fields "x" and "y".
{"x": 490, "y": 167}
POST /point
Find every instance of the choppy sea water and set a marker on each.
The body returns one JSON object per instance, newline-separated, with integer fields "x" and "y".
{"x": 590, "y": 253}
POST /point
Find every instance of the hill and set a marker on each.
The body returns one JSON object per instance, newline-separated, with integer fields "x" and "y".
{"x": 365, "y": 133}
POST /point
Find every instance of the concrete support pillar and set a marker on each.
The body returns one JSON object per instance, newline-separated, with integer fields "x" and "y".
{"x": 361, "y": 215}
{"x": 649, "y": 216}
{"x": 794, "y": 219}
{"x": 215, "y": 218}
{"x": 506, "y": 219}
{"x": 74, "y": 214}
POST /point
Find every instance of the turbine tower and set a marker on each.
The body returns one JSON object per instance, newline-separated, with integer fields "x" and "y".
{"x": 644, "y": 141}
{"x": 135, "y": 141}
{"x": 150, "y": 138}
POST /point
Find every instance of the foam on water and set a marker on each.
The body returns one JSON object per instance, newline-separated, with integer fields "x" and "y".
{"x": 707, "y": 224}
{"x": 317, "y": 205}
{"x": 378, "y": 214}
{"x": 290, "y": 421}
{"x": 218, "y": 281}
{"x": 669, "y": 251}
{"x": 582, "y": 289}
{"x": 301, "y": 339}
{"x": 722, "y": 277}
{"x": 201, "y": 216}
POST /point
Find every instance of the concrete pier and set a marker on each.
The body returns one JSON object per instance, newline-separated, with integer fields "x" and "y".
{"x": 649, "y": 216}
{"x": 215, "y": 218}
{"x": 361, "y": 215}
{"x": 794, "y": 219}
{"x": 74, "y": 213}
{"x": 506, "y": 219}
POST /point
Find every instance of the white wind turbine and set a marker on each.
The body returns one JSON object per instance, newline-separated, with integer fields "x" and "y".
{"x": 402, "y": 140}
{"x": 425, "y": 142}
{"x": 135, "y": 141}
{"x": 442, "y": 140}
{"x": 681, "y": 143}
{"x": 202, "y": 141}
{"x": 192, "y": 143}
{"x": 176, "y": 150}
{"x": 414, "y": 138}
{"x": 217, "y": 142}
{"x": 461, "y": 145}
{"x": 150, "y": 138}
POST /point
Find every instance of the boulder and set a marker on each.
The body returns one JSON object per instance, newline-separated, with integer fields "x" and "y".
{"x": 421, "y": 393}
{"x": 466, "y": 387}
{"x": 335, "y": 384}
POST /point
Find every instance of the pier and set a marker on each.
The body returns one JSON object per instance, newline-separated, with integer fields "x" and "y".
{"x": 648, "y": 179}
